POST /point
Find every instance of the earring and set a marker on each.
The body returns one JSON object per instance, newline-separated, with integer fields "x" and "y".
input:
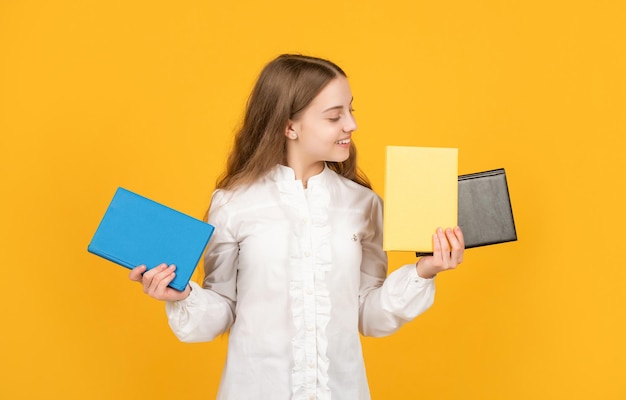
{"x": 293, "y": 135}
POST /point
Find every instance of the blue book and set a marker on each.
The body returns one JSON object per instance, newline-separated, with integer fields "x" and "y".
{"x": 136, "y": 230}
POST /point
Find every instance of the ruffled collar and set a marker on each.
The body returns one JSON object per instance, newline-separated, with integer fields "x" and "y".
{"x": 283, "y": 174}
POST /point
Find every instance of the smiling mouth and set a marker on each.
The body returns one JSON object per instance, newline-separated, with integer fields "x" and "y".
{"x": 344, "y": 141}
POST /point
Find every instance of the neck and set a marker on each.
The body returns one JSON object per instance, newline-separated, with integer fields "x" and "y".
{"x": 305, "y": 171}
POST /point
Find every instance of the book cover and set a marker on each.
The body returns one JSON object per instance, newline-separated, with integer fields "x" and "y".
{"x": 136, "y": 230}
{"x": 421, "y": 194}
{"x": 485, "y": 212}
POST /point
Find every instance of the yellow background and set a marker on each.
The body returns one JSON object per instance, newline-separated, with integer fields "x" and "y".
{"x": 146, "y": 94}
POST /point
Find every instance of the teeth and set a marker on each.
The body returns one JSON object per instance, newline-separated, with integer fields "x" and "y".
{"x": 345, "y": 141}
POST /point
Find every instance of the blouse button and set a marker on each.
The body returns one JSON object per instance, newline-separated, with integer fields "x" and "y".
{"x": 307, "y": 254}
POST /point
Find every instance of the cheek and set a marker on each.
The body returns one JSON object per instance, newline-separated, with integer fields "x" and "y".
{"x": 320, "y": 136}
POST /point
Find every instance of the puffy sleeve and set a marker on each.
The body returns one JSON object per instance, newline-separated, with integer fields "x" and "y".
{"x": 388, "y": 302}
{"x": 209, "y": 310}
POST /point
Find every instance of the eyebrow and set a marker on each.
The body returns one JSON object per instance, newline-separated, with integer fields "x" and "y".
{"x": 333, "y": 108}
{"x": 336, "y": 107}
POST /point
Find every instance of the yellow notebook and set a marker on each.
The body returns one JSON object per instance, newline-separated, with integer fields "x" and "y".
{"x": 421, "y": 194}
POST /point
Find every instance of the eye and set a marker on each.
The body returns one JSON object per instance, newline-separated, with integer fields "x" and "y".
{"x": 334, "y": 119}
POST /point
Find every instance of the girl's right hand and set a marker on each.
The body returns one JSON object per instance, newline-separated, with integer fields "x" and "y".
{"x": 155, "y": 282}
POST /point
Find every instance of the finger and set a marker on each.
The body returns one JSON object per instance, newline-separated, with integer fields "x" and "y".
{"x": 445, "y": 248}
{"x": 456, "y": 254}
{"x": 459, "y": 235}
{"x": 460, "y": 251}
{"x": 136, "y": 273}
{"x": 437, "y": 256}
{"x": 161, "y": 288}
{"x": 160, "y": 281}
{"x": 149, "y": 274}
{"x": 151, "y": 277}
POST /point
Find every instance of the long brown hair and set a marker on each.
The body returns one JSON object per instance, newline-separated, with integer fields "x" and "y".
{"x": 285, "y": 87}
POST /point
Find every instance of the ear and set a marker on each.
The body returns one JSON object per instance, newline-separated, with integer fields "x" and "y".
{"x": 290, "y": 131}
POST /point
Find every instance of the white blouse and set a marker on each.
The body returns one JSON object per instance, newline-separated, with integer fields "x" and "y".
{"x": 295, "y": 274}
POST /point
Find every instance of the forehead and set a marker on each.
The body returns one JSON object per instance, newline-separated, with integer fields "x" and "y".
{"x": 336, "y": 93}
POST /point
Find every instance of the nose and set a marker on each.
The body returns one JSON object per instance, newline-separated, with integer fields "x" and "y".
{"x": 350, "y": 125}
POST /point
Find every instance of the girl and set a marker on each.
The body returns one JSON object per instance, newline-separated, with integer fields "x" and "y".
{"x": 295, "y": 269}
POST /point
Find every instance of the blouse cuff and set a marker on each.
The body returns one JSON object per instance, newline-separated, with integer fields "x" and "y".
{"x": 189, "y": 300}
{"x": 416, "y": 279}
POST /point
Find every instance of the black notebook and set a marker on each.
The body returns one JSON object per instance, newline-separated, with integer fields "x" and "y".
{"x": 485, "y": 214}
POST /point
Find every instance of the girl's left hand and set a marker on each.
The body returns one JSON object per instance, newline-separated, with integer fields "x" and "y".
{"x": 448, "y": 249}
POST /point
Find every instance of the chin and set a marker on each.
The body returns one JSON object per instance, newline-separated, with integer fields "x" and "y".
{"x": 338, "y": 159}
{"x": 338, "y": 156}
